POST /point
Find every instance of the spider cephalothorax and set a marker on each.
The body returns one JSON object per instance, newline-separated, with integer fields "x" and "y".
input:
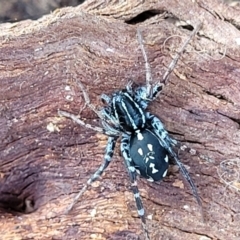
{"x": 145, "y": 144}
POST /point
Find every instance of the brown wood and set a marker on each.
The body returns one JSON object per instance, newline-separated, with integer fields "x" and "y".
{"x": 46, "y": 159}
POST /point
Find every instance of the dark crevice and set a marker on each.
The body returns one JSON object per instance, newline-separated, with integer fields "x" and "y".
{"x": 218, "y": 96}
{"x": 188, "y": 27}
{"x": 216, "y": 15}
{"x": 27, "y": 186}
{"x": 194, "y": 112}
{"x": 233, "y": 24}
{"x": 199, "y": 233}
{"x": 233, "y": 119}
{"x": 17, "y": 203}
{"x": 210, "y": 11}
{"x": 193, "y": 142}
{"x": 144, "y": 16}
{"x": 186, "y": 140}
{"x": 231, "y": 57}
{"x": 176, "y": 133}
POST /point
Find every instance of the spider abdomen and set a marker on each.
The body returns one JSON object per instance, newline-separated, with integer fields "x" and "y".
{"x": 149, "y": 157}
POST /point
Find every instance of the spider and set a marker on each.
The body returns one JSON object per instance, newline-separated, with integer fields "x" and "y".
{"x": 145, "y": 143}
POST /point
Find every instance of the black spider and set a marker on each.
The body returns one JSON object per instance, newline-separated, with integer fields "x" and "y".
{"x": 145, "y": 144}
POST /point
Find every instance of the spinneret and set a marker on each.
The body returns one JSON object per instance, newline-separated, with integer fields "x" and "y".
{"x": 145, "y": 144}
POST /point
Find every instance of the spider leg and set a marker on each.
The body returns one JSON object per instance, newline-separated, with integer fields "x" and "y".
{"x": 87, "y": 99}
{"x": 133, "y": 178}
{"x": 147, "y": 66}
{"x": 160, "y": 130}
{"x": 167, "y": 142}
{"x": 107, "y": 129}
{"x": 107, "y": 159}
{"x": 129, "y": 87}
{"x": 103, "y": 113}
{"x": 110, "y": 118}
{"x": 79, "y": 121}
{"x": 106, "y": 99}
{"x": 152, "y": 91}
{"x": 179, "y": 53}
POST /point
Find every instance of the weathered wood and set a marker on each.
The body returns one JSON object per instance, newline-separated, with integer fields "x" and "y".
{"x": 46, "y": 159}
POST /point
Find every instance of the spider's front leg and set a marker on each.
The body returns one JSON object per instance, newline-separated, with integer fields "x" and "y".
{"x": 107, "y": 159}
{"x": 77, "y": 120}
{"x": 107, "y": 129}
{"x": 167, "y": 142}
{"x": 151, "y": 91}
{"x": 125, "y": 145}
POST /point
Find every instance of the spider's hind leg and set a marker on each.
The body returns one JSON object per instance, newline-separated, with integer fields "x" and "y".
{"x": 125, "y": 143}
{"x": 167, "y": 142}
{"x": 107, "y": 159}
{"x": 186, "y": 175}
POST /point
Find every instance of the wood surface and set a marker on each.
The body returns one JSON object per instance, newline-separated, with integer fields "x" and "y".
{"x": 45, "y": 159}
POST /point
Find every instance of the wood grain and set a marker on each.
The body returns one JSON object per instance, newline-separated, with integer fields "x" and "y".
{"x": 46, "y": 159}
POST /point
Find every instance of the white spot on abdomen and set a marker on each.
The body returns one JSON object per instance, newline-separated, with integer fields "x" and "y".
{"x": 152, "y": 166}
{"x": 150, "y": 147}
{"x": 140, "y": 151}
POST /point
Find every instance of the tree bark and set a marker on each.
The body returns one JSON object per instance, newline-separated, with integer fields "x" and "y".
{"x": 46, "y": 159}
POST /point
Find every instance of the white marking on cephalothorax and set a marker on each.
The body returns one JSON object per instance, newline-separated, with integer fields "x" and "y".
{"x": 146, "y": 159}
{"x": 138, "y": 107}
{"x": 152, "y": 166}
{"x": 115, "y": 110}
{"x": 165, "y": 173}
{"x": 129, "y": 116}
{"x": 166, "y": 159}
{"x": 140, "y": 151}
{"x": 150, "y": 147}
